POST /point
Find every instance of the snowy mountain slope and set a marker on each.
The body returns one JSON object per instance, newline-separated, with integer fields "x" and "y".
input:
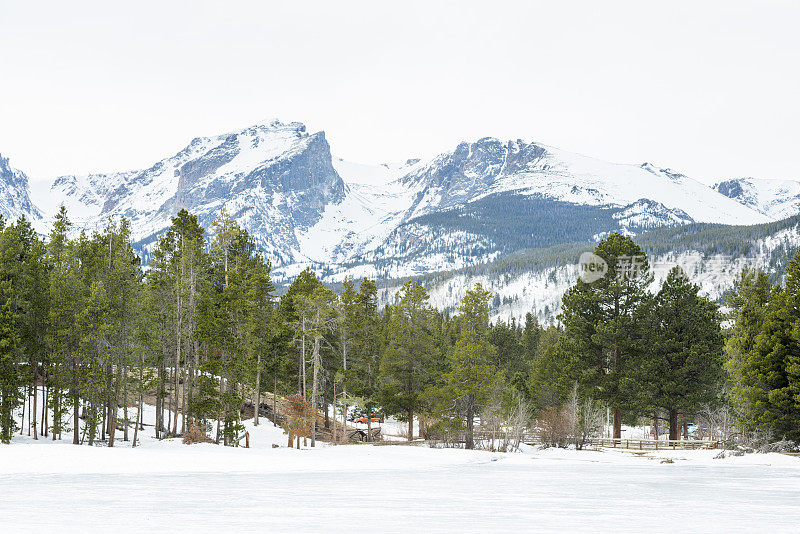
{"x": 536, "y": 283}
{"x": 468, "y": 206}
{"x": 777, "y": 199}
{"x": 274, "y": 178}
{"x": 491, "y": 197}
{"x": 490, "y": 166}
{"x": 15, "y": 198}
{"x": 375, "y": 203}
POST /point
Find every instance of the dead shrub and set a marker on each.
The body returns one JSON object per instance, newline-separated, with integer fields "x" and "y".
{"x": 299, "y": 419}
{"x": 554, "y": 427}
{"x": 196, "y": 434}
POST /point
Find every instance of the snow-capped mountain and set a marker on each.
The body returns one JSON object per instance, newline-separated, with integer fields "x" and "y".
{"x": 276, "y": 179}
{"x": 777, "y": 199}
{"x": 490, "y": 197}
{"x": 489, "y": 167}
{"x": 476, "y": 203}
{"x": 471, "y": 214}
{"x": 15, "y": 198}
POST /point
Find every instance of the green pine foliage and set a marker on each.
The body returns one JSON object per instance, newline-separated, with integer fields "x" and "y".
{"x": 406, "y": 364}
{"x": 202, "y": 335}
{"x": 764, "y": 354}
{"x": 681, "y": 341}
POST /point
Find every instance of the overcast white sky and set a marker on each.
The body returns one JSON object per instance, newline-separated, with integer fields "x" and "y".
{"x": 707, "y": 88}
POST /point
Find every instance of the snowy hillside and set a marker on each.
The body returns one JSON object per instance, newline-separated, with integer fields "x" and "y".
{"x": 475, "y": 204}
{"x": 274, "y": 178}
{"x": 535, "y": 282}
{"x": 305, "y": 207}
{"x": 490, "y": 166}
{"x": 777, "y": 199}
{"x": 15, "y": 198}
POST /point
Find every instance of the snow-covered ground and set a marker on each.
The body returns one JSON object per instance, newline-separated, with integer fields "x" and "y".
{"x": 55, "y": 486}
{"x": 164, "y": 484}
{"x": 204, "y": 488}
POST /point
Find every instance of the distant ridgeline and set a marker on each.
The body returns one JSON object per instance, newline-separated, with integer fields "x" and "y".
{"x": 543, "y": 274}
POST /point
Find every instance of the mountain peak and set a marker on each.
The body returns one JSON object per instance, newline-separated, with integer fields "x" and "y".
{"x": 15, "y": 198}
{"x": 775, "y": 198}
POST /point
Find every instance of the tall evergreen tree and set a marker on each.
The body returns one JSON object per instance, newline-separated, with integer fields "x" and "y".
{"x": 768, "y": 378}
{"x": 600, "y": 327}
{"x": 681, "y": 370}
{"x": 405, "y": 367}
{"x": 470, "y": 381}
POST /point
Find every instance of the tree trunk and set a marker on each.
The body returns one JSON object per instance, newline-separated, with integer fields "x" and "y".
{"x": 334, "y": 413}
{"x": 655, "y": 425}
{"x": 617, "y": 423}
{"x": 303, "y": 355}
{"x": 257, "y": 400}
{"x": 344, "y": 424}
{"x": 314, "y": 392}
{"x": 685, "y": 430}
{"x": 24, "y": 399}
{"x": 112, "y": 407}
{"x": 469, "y": 442}
{"x": 410, "y": 424}
{"x": 56, "y": 412}
{"x": 125, "y": 413}
{"x": 35, "y": 399}
{"x": 112, "y": 422}
{"x": 184, "y": 389}
{"x": 178, "y": 317}
{"x": 275, "y": 400}
{"x": 138, "y": 420}
{"x": 44, "y": 409}
{"x": 673, "y": 424}
{"x": 141, "y": 402}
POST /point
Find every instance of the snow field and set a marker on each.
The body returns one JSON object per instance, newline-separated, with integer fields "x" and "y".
{"x": 388, "y": 488}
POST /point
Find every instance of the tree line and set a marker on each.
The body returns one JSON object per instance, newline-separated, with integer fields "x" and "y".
{"x": 201, "y": 332}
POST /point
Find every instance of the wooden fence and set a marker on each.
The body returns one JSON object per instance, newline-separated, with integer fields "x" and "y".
{"x": 653, "y": 444}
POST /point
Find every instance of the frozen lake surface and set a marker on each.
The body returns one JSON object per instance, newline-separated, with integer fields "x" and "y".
{"x": 53, "y": 486}
{"x": 536, "y": 491}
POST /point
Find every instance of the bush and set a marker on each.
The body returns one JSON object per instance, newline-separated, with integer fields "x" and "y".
{"x": 299, "y": 417}
{"x": 572, "y": 423}
{"x": 196, "y": 434}
{"x": 555, "y": 427}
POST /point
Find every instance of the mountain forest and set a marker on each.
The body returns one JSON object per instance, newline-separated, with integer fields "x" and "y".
{"x": 203, "y": 334}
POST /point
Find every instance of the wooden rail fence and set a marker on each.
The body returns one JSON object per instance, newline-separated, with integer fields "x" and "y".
{"x": 653, "y": 444}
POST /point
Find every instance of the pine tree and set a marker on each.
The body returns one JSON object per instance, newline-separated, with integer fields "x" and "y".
{"x": 472, "y": 377}
{"x": 295, "y": 317}
{"x": 348, "y": 329}
{"x": 748, "y": 302}
{"x": 258, "y": 335}
{"x": 600, "y": 327}
{"x": 9, "y": 376}
{"x": 681, "y": 370}
{"x": 323, "y": 315}
{"x": 67, "y": 294}
{"x": 405, "y": 366}
{"x": 366, "y": 344}
{"x": 768, "y": 377}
